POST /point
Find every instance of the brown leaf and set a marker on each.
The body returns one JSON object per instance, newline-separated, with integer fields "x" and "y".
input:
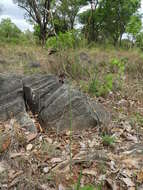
{"x": 5, "y": 141}
{"x": 128, "y": 182}
{"x": 12, "y": 174}
{"x": 31, "y": 137}
{"x": 3, "y": 166}
{"x": 131, "y": 163}
{"x": 14, "y": 155}
{"x": 29, "y": 147}
{"x": 140, "y": 176}
{"x": 56, "y": 160}
{"x": 89, "y": 172}
{"x": 111, "y": 184}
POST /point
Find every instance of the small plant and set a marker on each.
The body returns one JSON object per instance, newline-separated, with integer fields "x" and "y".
{"x": 64, "y": 41}
{"x": 101, "y": 88}
{"x": 112, "y": 80}
{"x": 138, "y": 118}
{"x": 87, "y": 187}
{"x": 108, "y": 140}
{"x": 118, "y": 67}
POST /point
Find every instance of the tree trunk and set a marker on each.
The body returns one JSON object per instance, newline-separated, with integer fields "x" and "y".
{"x": 43, "y": 35}
{"x": 120, "y": 40}
{"x": 115, "y": 40}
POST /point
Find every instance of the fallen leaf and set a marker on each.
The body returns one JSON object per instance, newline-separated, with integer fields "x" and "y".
{"x": 112, "y": 184}
{"x": 12, "y": 174}
{"x": 3, "y": 166}
{"x": 128, "y": 182}
{"x": 29, "y": 147}
{"x": 127, "y": 126}
{"x": 46, "y": 169}
{"x": 14, "y": 155}
{"x": 89, "y": 172}
{"x": 56, "y": 160}
{"x": 131, "y": 163}
{"x": 61, "y": 187}
{"x": 31, "y": 136}
{"x": 49, "y": 140}
{"x": 132, "y": 138}
{"x": 131, "y": 188}
{"x": 5, "y": 141}
{"x": 140, "y": 176}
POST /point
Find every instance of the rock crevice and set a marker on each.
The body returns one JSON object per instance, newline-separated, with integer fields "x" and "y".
{"x": 55, "y": 103}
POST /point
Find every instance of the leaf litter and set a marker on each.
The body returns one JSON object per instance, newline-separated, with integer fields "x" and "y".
{"x": 52, "y": 161}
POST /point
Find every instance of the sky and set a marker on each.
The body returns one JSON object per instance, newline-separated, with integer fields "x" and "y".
{"x": 11, "y": 10}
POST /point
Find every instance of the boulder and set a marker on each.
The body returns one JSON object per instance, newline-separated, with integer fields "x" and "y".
{"x": 35, "y": 64}
{"x": 58, "y": 105}
{"x": 12, "y": 102}
{"x": 61, "y": 106}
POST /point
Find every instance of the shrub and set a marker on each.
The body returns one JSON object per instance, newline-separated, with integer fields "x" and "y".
{"x": 108, "y": 140}
{"x": 101, "y": 88}
{"x": 64, "y": 41}
{"x": 109, "y": 80}
{"x": 87, "y": 187}
{"x": 9, "y": 30}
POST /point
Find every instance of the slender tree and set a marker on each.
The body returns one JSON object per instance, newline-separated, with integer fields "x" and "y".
{"x": 39, "y": 11}
{"x": 109, "y": 19}
{"x": 67, "y": 11}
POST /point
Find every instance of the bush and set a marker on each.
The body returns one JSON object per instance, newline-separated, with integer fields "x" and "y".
{"x": 108, "y": 140}
{"x": 9, "y": 30}
{"x": 109, "y": 80}
{"x": 64, "y": 41}
{"x": 101, "y": 88}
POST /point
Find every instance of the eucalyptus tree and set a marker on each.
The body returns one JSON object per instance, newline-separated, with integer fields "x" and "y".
{"x": 39, "y": 12}
{"x": 134, "y": 27}
{"x": 110, "y": 18}
{"x": 117, "y": 14}
{"x": 66, "y": 13}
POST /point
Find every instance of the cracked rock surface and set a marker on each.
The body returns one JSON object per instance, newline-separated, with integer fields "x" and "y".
{"x": 12, "y": 102}
{"x": 57, "y": 105}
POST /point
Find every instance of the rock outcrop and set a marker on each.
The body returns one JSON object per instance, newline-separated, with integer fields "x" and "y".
{"x": 57, "y": 105}
{"x": 12, "y": 102}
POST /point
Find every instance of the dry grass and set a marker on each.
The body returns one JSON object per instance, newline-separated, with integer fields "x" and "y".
{"x": 17, "y": 58}
{"x": 80, "y": 65}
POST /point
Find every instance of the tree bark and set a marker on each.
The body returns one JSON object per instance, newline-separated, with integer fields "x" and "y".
{"x": 43, "y": 35}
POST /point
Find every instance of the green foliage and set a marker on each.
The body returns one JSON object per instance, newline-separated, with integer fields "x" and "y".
{"x": 134, "y": 26}
{"x": 37, "y": 31}
{"x": 66, "y": 13}
{"x": 64, "y": 41}
{"x": 118, "y": 66}
{"x": 101, "y": 88}
{"x": 87, "y": 187}
{"x": 139, "y": 40}
{"x": 139, "y": 119}
{"x": 92, "y": 25}
{"x": 102, "y": 85}
{"x": 108, "y": 140}
{"x": 9, "y": 31}
{"x": 109, "y": 20}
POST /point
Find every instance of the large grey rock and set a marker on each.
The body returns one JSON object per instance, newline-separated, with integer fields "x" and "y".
{"x": 59, "y": 105}
{"x": 12, "y": 102}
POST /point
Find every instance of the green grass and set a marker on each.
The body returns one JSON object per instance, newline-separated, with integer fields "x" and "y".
{"x": 108, "y": 140}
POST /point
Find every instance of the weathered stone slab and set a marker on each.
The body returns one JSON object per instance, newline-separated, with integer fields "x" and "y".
{"x": 12, "y": 101}
{"x": 60, "y": 106}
